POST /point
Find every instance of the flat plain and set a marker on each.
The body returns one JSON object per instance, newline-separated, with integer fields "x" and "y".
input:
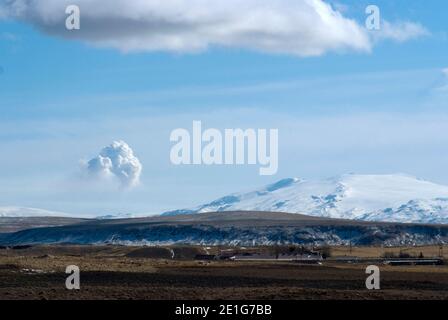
{"x": 119, "y": 272}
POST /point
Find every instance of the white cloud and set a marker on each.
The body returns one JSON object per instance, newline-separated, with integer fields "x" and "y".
{"x": 298, "y": 27}
{"x": 401, "y": 31}
{"x": 116, "y": 161}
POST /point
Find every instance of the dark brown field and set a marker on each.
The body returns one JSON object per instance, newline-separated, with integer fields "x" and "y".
{"x": 109, "y": 272}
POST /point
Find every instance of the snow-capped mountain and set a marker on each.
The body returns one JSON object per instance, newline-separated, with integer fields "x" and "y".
{"x": 121, "y": 216}
{"x": 394, "y": 198}
{"x": 18, "y": 212}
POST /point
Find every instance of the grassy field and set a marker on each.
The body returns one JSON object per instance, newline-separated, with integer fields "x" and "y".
{"x": 367, "y": 252}
{"x": 109, "y": 272}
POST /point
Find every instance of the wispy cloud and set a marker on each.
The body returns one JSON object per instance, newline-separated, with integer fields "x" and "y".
{"x": 445, "y": 72}
{"x": 401, "y": 31}
{"x": 8, "y": 36}
{"x": 444, "y": 82}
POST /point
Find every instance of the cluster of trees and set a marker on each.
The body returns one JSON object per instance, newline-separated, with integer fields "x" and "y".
{"x": 402, "y": 255}
{"x": 325, "y": 251}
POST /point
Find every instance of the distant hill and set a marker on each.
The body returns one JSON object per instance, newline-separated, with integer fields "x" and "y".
{"x": 14, "y": 224}
{"x": 232, "y": 228}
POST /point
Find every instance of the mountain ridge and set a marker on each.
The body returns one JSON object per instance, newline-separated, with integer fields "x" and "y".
{"x": 390, "y": 198}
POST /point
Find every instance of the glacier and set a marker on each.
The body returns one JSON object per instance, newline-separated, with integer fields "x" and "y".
{"x": 389, "y": 198}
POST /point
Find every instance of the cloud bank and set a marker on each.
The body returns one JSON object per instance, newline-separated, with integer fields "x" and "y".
{"x": 297, "y": 27}
{"x": 116, "y": 161}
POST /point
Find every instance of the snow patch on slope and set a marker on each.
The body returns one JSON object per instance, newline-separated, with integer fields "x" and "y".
{"x": 429, "y": 211}
{"x": 19, "y": 212}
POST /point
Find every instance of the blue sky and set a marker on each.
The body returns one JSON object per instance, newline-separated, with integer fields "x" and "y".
{"x": 381, "y": 110}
